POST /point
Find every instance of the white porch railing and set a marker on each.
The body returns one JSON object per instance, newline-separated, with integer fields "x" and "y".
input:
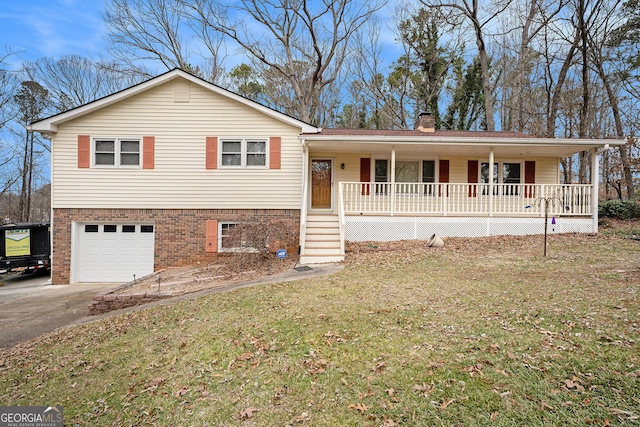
{"x": 464, "y": 199}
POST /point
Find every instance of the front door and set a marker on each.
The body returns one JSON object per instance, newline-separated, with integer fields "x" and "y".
{"x": 321, "y": 176}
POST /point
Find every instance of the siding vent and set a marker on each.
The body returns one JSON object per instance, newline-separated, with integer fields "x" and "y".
{"x": 181, "y": 91}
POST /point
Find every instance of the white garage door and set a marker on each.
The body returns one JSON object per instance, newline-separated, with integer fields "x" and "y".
{"x": 113, "y": 252}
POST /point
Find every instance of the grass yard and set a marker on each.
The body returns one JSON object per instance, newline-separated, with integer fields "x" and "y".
{"x": 480, "y": 332}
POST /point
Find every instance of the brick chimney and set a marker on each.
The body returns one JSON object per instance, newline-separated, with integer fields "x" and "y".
{"x": 426, "y": 123}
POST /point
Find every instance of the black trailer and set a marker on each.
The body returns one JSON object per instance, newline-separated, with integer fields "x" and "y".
{"x": 25, "y": 247}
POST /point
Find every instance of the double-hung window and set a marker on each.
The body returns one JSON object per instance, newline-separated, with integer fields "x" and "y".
{"x": 408, "y": 172}
{"x": 118, "y": 152}
{"x": 232, "y": 237}
{"x": 509, "y": 174}
{"x": 229, "y": 237}
{"x": 243, "y": 152}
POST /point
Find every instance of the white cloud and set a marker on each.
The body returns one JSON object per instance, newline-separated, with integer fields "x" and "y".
{"x": 44, "y": 28}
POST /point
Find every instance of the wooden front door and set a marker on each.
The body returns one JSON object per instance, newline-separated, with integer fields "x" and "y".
{"x": 321, "y": 173}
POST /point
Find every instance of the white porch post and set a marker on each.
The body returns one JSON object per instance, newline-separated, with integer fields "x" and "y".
{"x": 595, "y": 178}
{"x": 491, "y": 159}
{"x": 305, "y": 195}
{"x": 393, "y": 180}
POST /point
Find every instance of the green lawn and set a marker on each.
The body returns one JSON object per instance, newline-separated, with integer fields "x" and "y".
{"x": 479, "y": 332}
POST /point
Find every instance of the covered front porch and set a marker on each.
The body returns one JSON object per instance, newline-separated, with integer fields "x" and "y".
{"x": 515, "y": 200}
{"x": 397, "y": 185}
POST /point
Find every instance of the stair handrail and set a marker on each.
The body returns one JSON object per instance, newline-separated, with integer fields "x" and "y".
{"x": 341, "y": 216}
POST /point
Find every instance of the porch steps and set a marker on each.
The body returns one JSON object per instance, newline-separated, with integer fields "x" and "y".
{"x": 322, "y": 240}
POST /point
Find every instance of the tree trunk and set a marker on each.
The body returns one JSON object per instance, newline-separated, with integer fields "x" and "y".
{"x": 627, "y": 174}
{"x": 584, "y": 156}
{"x": 484, "y": 66}
{"x": 24, "y": 173}
{"x": 557, "y": 91}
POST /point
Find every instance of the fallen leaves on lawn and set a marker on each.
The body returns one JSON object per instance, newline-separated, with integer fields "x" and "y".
{"x": 546, "y": 406}
{"x": 302, "y": 418}
{"x": 379, "y": 367}
{"x": 359, "y": 407}
{"x": 247, "y": 413}
{"x": 316, "y": 367}
{"x": 626, "y": 415}
{"x": 574, "y": 383}
{"x": 425, "y": 390}
{"x": 445, "y": 404}
{"x": 182, "y": 391}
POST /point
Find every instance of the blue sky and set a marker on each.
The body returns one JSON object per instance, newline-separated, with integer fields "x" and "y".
{"x": 37, "y": 28}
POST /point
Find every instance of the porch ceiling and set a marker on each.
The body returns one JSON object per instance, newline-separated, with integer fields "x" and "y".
{"x": 474, "y": 147}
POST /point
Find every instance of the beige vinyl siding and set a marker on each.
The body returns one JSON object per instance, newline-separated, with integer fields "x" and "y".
{"x": 179, "y": 178}
{"x": 546, "y": 168}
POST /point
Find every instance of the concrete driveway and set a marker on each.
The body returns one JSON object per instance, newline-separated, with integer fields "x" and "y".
{"x": 30, "y": 306}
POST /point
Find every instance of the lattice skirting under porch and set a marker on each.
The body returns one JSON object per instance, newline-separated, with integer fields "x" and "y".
{"x": 382, "y": 229}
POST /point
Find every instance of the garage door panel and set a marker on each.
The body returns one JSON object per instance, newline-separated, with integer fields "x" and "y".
{"x": 113, "y": 256}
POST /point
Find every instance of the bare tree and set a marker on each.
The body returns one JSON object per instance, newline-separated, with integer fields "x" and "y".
{"x": 390, "y": 95}
{"x": 8, "y": 84}
{"x": 74, "y": 80}
{"x": 159, "y": 31}
{"x": 479, "y": 19}
{"x": 8, "y": 177}
{"x": 521, "y": 30}
{"x": 614, "y": 68}
{"x": 282, "y": 36}
{"x": 30, "y": 101}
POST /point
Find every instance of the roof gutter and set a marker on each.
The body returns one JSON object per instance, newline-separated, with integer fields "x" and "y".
{"x": 444, "y": 140}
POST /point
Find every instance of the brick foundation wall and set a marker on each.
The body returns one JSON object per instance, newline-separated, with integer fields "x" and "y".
{"x": 179, "y": 233}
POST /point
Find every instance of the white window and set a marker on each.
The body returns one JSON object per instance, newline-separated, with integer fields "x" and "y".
{"x": 228, "y": 236}
{"x": 415, "y": 171}
{"x": 243, "y": 153}
{"x": 507, "y": 173}
{"x": 232, "y": 237}
{"x": 406, "y": 171}
{"x": 118, "y": 152}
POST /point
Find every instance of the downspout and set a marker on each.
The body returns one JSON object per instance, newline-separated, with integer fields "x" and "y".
{"x": 393, "y": 180}
{"x": 491, "y": 161}
{"x": 51, "y": 219}
{"x": 595, "y": 174}
{"x": 305, "y": 195}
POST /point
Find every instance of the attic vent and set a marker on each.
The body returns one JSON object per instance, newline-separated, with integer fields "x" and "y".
{"x": 181, "y": 91}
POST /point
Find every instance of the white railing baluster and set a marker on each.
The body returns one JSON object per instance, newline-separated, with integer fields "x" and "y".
{"x": 463, "y": 198}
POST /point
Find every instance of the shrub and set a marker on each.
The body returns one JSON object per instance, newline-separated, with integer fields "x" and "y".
{"x": 257, "y": 241}
{"x": 621, "y": 209}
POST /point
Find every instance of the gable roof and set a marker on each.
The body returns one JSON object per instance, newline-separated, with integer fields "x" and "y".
{"x": 50, "y": 124}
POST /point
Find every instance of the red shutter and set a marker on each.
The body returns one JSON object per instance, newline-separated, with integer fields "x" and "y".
{"x": 148, "y": 152}
{"x": 529, "y": 178}
{"x": 84, "y": 151}
{"x": 212, "y": 236}
{"x": 212, "y": 152}
{"x": 275, "y": 147}
{"x": 365, "y": 173}
{"x": 443, "y": 175}
{"x": 472, "y": 177}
